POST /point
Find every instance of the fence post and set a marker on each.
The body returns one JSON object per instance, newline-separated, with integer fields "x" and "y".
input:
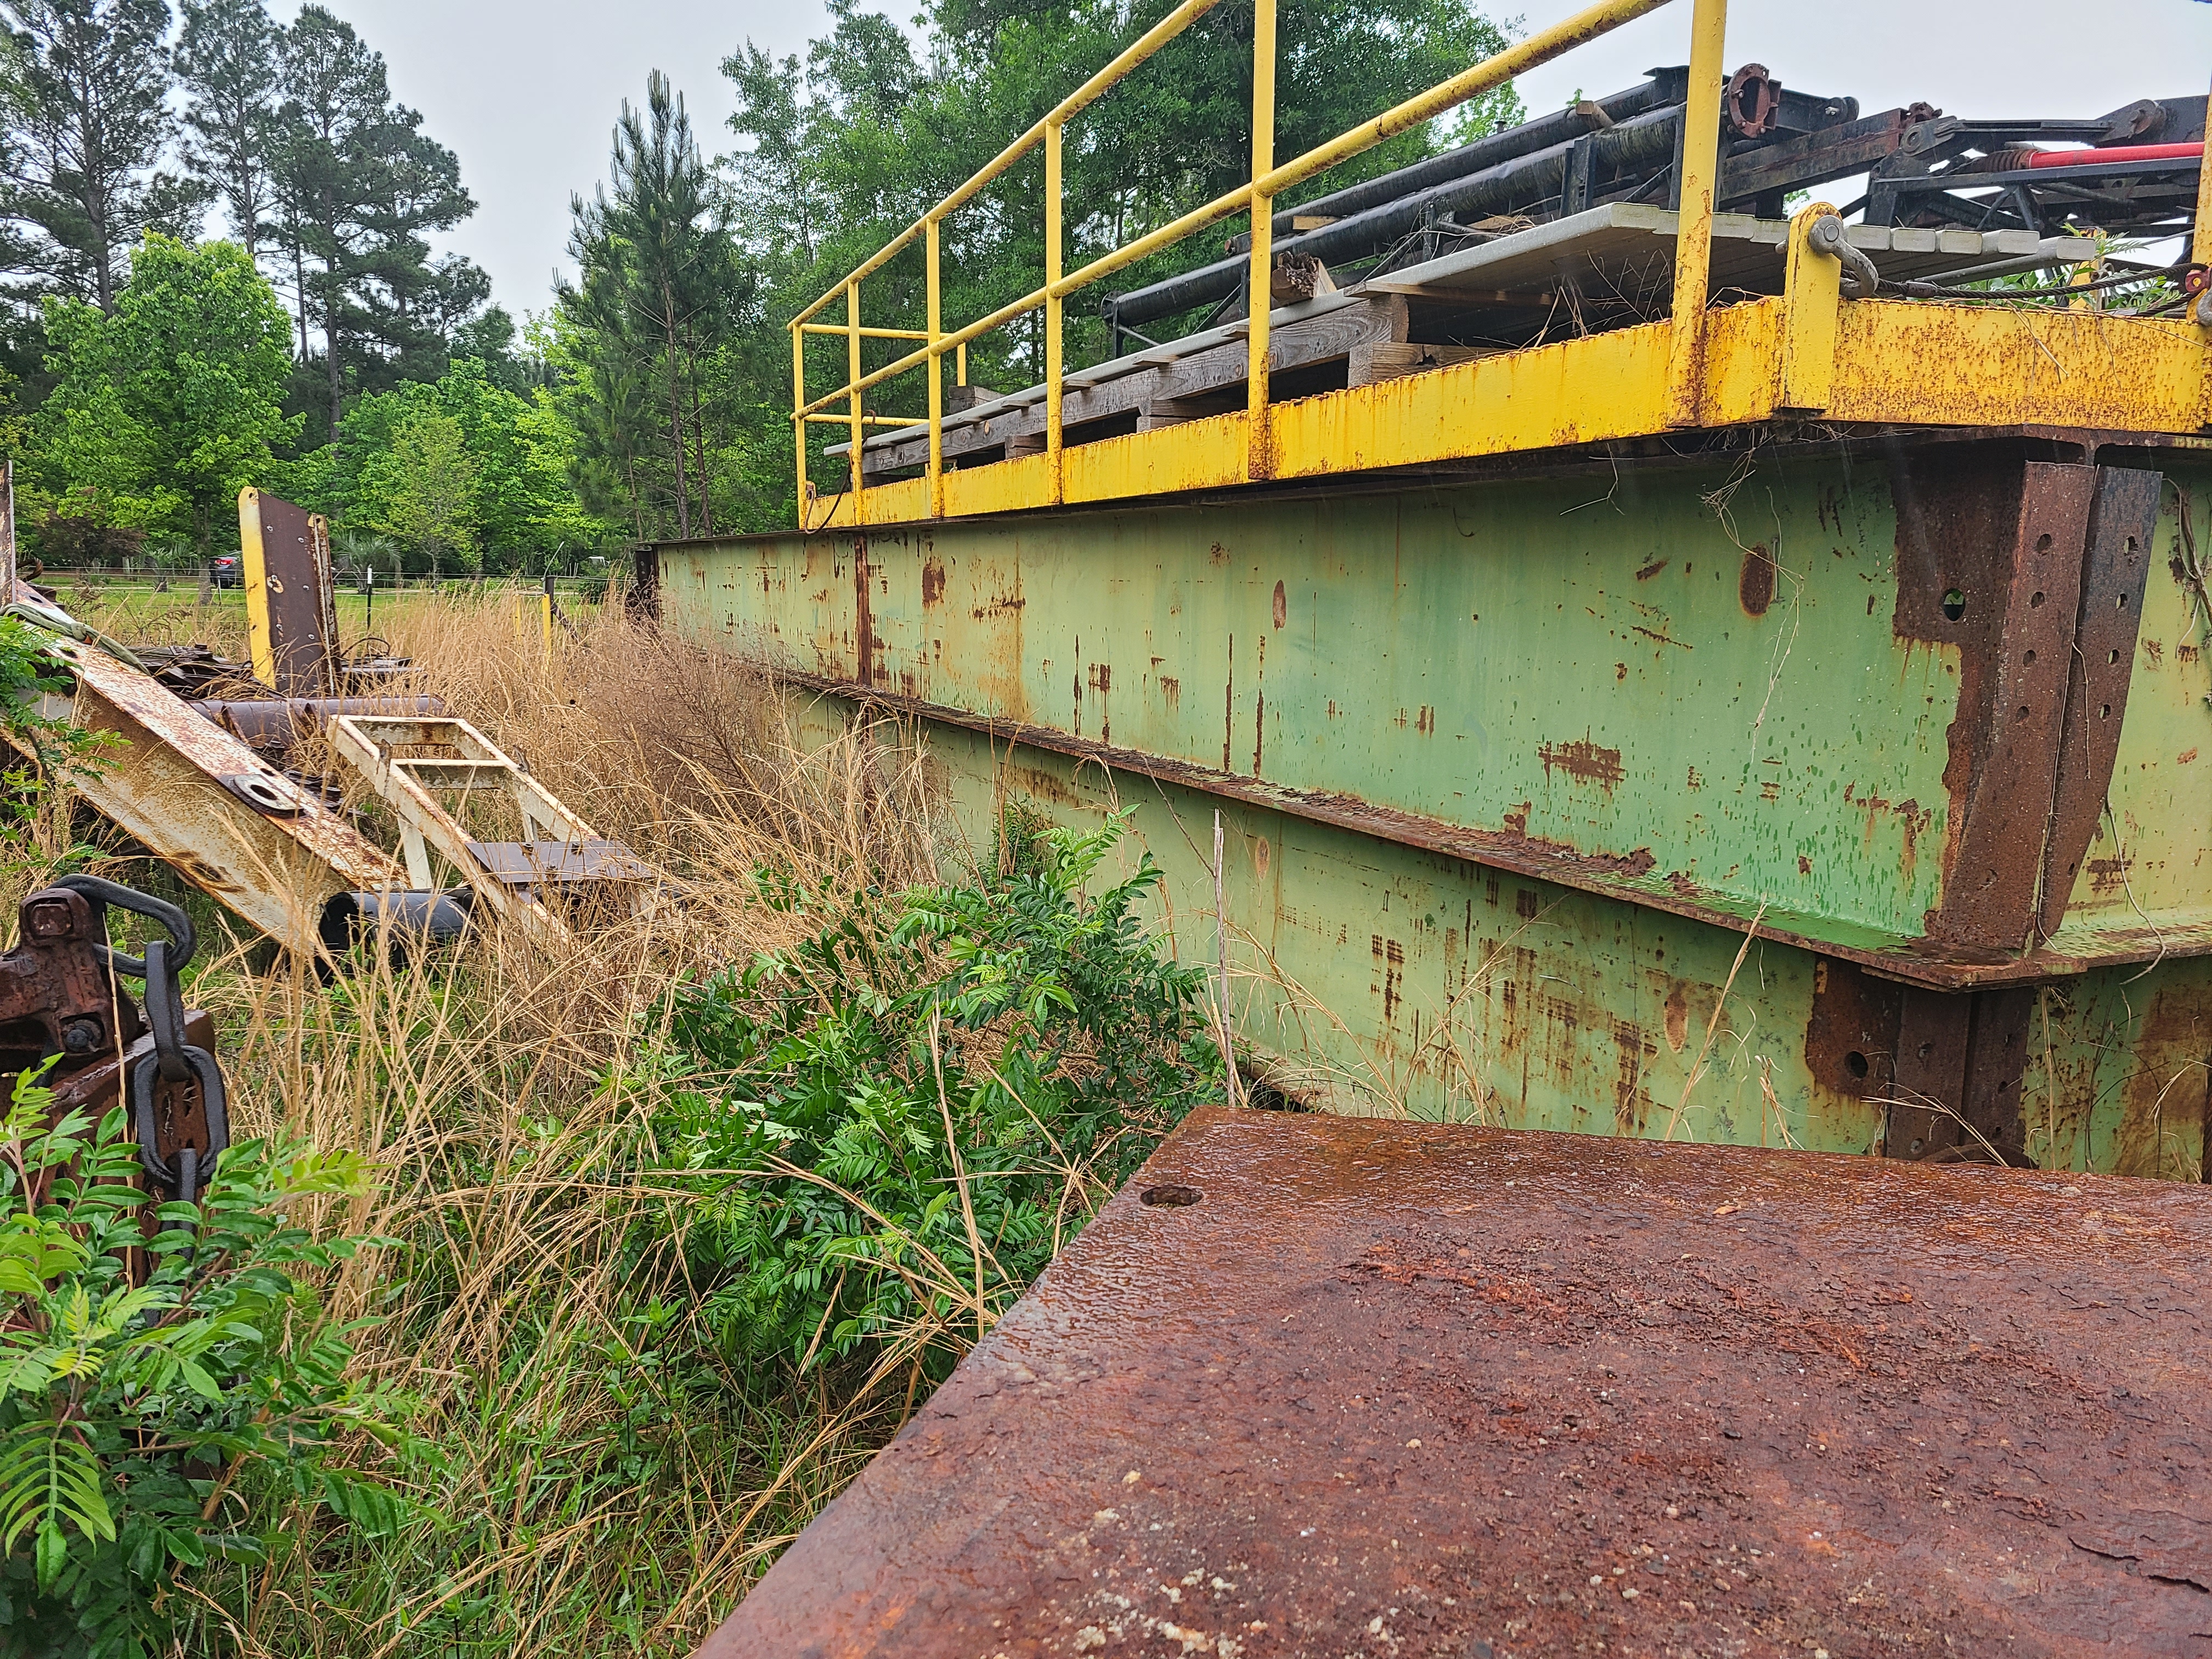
{"x": 1693, "y": 230}
{"x": 1259, "y": 460}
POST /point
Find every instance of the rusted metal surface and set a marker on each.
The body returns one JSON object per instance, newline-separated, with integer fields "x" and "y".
{"x": 63, "y": 1015}
{"x": 559, "y": 855}
{"x": 171, "y": 782}
{"x": 1706, "y": 720}
{"x": 2115, "y": 574}
{"x": 1990, "y": 553}
{"x": 278, "y": 723}
{"x": 1513, "y": 762}
{"x": 180, "y": 785}
{"x": 290, "y": 603}
{"x": 1374, "y": 1388}
{"x": 555, "y": 864}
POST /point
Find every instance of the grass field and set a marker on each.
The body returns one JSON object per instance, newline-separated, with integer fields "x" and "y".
{"x": 139, "y": 612}
{"x": 591, "y": 1475}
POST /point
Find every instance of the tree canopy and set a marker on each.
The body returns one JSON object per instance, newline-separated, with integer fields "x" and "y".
{"x": 165, "y": 407}
{"x": 325, "y": 351}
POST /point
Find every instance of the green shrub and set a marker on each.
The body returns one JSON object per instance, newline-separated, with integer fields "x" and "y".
{"x": 897, "y": 1122}
{"x": 148, "y": 1429}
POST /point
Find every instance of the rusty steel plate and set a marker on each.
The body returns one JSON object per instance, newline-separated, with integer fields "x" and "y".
{"x": 1391, "y": 1388}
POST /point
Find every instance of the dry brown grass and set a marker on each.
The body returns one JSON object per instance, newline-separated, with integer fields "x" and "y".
{"x": 591, "y": 1483}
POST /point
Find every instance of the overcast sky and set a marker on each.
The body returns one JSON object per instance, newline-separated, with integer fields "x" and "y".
{"x": 526, "y": 90}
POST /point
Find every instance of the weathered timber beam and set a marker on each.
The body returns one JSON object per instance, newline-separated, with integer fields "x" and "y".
{"x": 1327, "y": 339}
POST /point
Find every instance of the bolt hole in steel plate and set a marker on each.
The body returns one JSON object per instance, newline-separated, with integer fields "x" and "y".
{"x": 1170, "y": 1197}
{"x": 1370, "y": 1399}
{"x": 1955, "y": 604}
{"x": 264, "y": 793}
{"x": 1855, "y": 1063}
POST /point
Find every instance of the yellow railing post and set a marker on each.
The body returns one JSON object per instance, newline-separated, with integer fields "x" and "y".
{"x": 1256, "y": 197}
{"x": 1259, "y": 457}
{"x": 936, "y": 380}
{"x": 1054, "y": 441}
{"x": 852, "y": 380}
{"x": 798, "y": 420}
{"x": 1693, "y": 231}
{"x": 2200, "y": 251}
{"x": 1811, "y": 285}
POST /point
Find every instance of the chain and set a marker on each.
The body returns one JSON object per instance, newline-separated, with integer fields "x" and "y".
{"x": 162, "y": 1069}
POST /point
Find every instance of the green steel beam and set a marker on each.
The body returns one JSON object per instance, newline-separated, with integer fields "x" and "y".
{"x": 1515, "y": 763}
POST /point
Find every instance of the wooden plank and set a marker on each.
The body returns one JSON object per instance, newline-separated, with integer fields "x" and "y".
{"x": 1386, "y": 360}
{"x": 1321, "y": 339}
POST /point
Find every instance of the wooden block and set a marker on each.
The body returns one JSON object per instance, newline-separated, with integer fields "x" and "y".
{"x": 1387, "y": 360}
{"x": 958, "y": 399}
{"x": 1299, "y": 276}
{"x": 1024, "y": 443}
{"x": 1157, "y": 413}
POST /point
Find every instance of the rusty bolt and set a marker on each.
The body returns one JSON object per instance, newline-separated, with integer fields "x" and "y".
{"x": 81, "y": 1037}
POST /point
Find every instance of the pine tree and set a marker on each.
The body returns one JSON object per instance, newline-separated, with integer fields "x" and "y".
{"x": 358, "y": 187}
{"x": 658, "y": 274}
{"x": 88, "y": 81}
{"x": 229, "y": 62}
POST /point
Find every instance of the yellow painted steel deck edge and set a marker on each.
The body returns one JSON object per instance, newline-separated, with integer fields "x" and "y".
{"x": 1897, "y": 362}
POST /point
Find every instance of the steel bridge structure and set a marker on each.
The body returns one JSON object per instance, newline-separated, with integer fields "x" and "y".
{"x": 1768, "y": 707}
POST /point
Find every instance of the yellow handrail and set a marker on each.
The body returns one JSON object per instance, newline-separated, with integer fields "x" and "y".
{"x": 1701, "y": 160}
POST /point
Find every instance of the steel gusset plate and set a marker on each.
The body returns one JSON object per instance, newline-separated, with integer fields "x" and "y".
{"x": 1376, "y": 1387}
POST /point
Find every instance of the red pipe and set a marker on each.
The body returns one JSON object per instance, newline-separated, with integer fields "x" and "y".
{"x": 2118, "y": 153}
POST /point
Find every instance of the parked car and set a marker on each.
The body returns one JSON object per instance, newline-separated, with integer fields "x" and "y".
{"x": 226, "y": 572}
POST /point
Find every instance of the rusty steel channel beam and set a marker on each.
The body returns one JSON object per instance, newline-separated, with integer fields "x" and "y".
{"x": 232, "y": 825}
{"x": 1512, "y": 763}
{"x": 1323, "y": 1386}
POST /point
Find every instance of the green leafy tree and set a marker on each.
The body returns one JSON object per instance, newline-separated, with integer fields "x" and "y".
{"x": 843, "y": 147}
{"x": 427, "y": 481}
{"x": 164, "y": 409}
{"x": 509, "y": 457}
{"x": 153, "y": 1429}
{"x": 358, "y": 187}
{"x": 659, "y": 281}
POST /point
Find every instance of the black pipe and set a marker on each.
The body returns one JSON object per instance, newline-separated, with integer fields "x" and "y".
{"x": 280, "y": 722}
{"x": 1644, "y": 141}
{"x": 424, "y": 918}
{"x": 1542, "y": 133}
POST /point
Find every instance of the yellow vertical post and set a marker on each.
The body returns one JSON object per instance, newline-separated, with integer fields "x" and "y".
{"x": 1812, "y": 295}
{"x": 1053, "y": 440}
{"x": 798, "y": 421}
{"x": 2200, "y": 250}
{"x": 545, "y": 613}
{"x": 1694, "y": 236}
{"x": 1259, "y": 460}
{"x": 253, "y": 568}
{"x": 961, "y": 363}
{"x": 935, "y": 381}
{"x": 853, "y": 380}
